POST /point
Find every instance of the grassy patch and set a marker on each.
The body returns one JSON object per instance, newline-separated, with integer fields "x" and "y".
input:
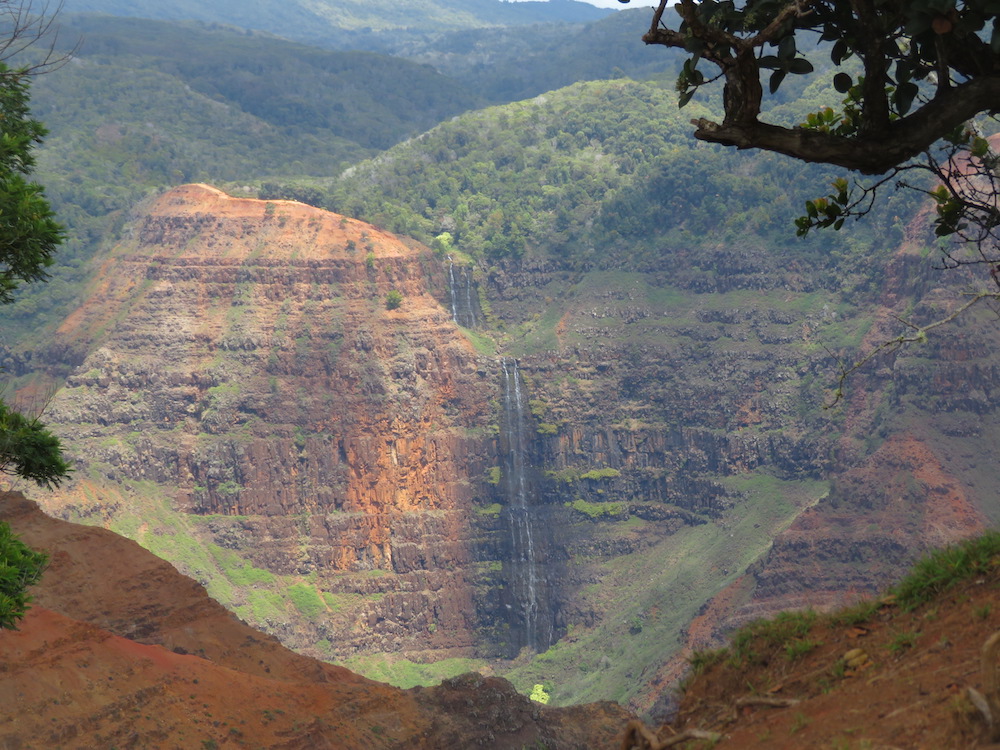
{"x": 263, "y": 606}
{"x": 596, "y": 510}
{"x": 306, "y": 599}
{"x": 601, "y": 474}
{"x": 404, "y": 673}
{"x": 945, "y": 567}
{"x": 482, "y": 343}
{"x": 492, "y": 510}
{"x": 788, "y": 630}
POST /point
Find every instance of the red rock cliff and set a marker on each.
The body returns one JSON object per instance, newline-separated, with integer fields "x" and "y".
{"x": 242, "y": 366}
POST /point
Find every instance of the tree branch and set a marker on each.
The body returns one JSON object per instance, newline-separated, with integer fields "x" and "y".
{"x": 870, "y": 153}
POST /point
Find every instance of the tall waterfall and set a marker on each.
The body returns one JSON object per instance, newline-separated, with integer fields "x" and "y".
{"x": 526, "y": 597}
{"x": 462, "y": 295}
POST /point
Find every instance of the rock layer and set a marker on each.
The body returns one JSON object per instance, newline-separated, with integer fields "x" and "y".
{"x": 244, "y": 362}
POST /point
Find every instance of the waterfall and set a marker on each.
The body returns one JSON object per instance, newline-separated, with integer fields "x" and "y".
{"x": 461, "y": 294}
{"x": 523, "y": 578}
{"x": 451, "y": 291}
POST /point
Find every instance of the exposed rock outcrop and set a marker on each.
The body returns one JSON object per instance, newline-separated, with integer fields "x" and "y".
{"x": 243, "y": 363}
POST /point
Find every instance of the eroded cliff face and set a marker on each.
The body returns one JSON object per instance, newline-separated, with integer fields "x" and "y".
{"x": 347, "y": 476}
{"x": 696, "y": 479}
{"x": 246, "y": 378}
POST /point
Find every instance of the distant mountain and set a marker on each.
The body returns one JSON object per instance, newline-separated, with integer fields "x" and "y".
{"x": 326, "y": 21}
{"x": 509, "y": 64}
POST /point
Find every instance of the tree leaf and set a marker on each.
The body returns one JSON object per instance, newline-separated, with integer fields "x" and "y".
{"x": 840, "y": 52}
{"x": 904, "y": 96}
{"x": 786, "y": 48}
{"x": 842, "y": 82}
{"x": 776, "y": 78}
{"x": 770, "y": 62}
{"x": 800, "y": 66}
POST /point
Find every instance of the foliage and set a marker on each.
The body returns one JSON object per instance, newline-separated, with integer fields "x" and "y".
{"x": 28, "y": 237}
{"x": 945, "y": 567}
{"x": 538, "y": 694}
{"x": 29, "y": 450}
{"x": 20, "y": 567}
{"x": 393, "y": 299}
{"x": 596, "y": 510}
{"x": 799, "y": 647}
{"x": 596, "y": 174}
{"x": 702, "y": 660}
{"x": 598, "y": 474}
{"x": 30, "y": 233}
{"x": 900, "y": 46}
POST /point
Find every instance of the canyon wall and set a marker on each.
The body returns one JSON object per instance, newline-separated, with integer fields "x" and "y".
{"x": 634, "y": 460}
{"x": 244, "y": 373}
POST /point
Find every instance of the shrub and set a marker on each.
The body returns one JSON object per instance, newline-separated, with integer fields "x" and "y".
{"x": 393, "y": 299}
{"x": 539, "y": 695}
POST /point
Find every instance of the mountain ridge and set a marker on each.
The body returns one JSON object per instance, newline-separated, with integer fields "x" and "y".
{"x": 320, "y": 22}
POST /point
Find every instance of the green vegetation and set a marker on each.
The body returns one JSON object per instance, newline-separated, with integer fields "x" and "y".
{"x": 783, "y": 631}
{"x": 598, "y": 474}
{"x": 596, "y": 510}
{"x": 29, "y": 235}
{"x": 592, "y": 174}
{"x": 572, "y": 474}
{"x": 799, "y": 647}
{"x": 20, "y": 567}
{"x": 393, "y": 299}
{"x": 493, "y": 475}
{"x": 538, "y": 694}
{"x": 404, "y": 673}
{"x": 29, "y": 450}
{"x": 945, "y": 567}
{"x": 903, "y": 641}
{"x": 306, "y": 599}
{"x": 492, "y": 510}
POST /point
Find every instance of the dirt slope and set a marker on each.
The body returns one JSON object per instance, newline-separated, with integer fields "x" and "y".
{"x": 910, "y": 690}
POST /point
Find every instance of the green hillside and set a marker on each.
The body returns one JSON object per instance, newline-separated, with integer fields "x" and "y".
{"x": 601, "y": 173}
{"x": 145, "y": 105}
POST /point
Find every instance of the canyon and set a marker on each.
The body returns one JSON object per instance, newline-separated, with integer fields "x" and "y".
{"x": 121, "y": 650}
{"x": 606, "y": 469}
